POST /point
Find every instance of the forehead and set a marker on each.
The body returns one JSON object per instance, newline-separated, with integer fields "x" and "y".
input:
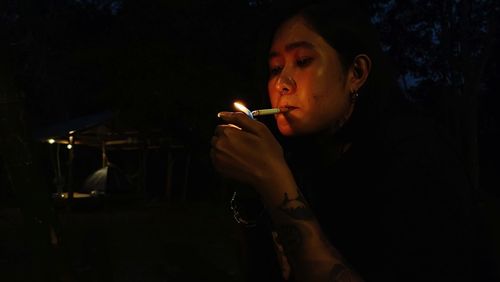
{"x": 293, "y": 30}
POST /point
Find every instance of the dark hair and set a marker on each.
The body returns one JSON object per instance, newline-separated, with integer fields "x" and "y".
{"x": 346, "y": 26}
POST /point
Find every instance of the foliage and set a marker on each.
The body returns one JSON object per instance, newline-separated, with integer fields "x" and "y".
{"x": 444, "y": 45}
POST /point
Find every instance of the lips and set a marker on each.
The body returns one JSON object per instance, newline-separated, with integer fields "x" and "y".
{"x": 289, "y": 107}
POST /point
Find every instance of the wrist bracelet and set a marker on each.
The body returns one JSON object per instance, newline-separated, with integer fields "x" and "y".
{"x": 237, "y": 215}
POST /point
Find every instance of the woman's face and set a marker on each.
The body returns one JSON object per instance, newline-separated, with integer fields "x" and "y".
{"x": 307, "y": 77}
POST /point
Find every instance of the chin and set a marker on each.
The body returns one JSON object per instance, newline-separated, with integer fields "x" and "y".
{"x": 286, "y": 129}
{"x": 289, "y": 127}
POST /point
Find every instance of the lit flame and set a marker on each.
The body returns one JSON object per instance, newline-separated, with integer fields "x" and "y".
{"x": 242, "y": 108}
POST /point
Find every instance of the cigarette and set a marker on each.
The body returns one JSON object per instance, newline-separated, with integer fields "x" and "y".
{"x": 272, "y": 111}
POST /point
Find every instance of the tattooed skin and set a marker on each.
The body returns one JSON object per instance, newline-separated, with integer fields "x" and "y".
{"x": 296, "y": 208}
{"x": 290, "y": 238}
{"x": 340, "y": 273}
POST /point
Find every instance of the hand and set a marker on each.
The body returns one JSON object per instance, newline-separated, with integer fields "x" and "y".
{"x": 245, "y": 149}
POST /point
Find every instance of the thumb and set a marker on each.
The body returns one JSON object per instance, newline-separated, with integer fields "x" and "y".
{"x": 241, "y": 120}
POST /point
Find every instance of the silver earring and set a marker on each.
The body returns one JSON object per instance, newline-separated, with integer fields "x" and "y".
{"x": 354, "y": 96}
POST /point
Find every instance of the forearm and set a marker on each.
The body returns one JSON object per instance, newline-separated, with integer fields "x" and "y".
{"x": 311, "y": 256}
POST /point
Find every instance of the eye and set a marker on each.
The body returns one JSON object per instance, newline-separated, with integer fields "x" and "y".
{"x": 304, "y": 62}
{"x": 275, "y": 70}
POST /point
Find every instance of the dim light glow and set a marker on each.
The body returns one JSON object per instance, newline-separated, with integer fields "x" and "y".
{"x": 242, "y": 108}
{"x": 261, "y": 112}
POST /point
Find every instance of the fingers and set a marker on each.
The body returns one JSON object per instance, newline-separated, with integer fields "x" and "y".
{"x": 234, "y": 144}
{"x": 242, "y": 121}
{"x": 221, "y": 140}
{"x": 225, "y": 130}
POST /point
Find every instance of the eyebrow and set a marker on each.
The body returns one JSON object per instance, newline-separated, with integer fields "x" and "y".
{"x": 294, "y": 45}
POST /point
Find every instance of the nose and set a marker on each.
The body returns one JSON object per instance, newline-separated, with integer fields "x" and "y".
{"x": 285, "y": 84}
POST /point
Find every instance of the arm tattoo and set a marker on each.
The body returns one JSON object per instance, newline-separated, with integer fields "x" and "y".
{"x": 296, "y": 208}
{"x": 289, "y": 235}
{"x": 290, "y": 238}
{"x": 340, "y": 273}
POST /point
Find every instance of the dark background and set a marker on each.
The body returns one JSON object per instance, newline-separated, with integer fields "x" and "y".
{"x": 164, "y": 69}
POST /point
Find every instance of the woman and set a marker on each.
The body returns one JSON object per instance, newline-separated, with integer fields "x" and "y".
{"x": 359, "y": 186}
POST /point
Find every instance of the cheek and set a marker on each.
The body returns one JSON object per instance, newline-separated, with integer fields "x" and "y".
{"x": 321, "y": 86}
{"x": 327, "y": 100}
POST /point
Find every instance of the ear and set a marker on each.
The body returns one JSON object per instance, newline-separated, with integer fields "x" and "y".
{"x": 359, "y": 71}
